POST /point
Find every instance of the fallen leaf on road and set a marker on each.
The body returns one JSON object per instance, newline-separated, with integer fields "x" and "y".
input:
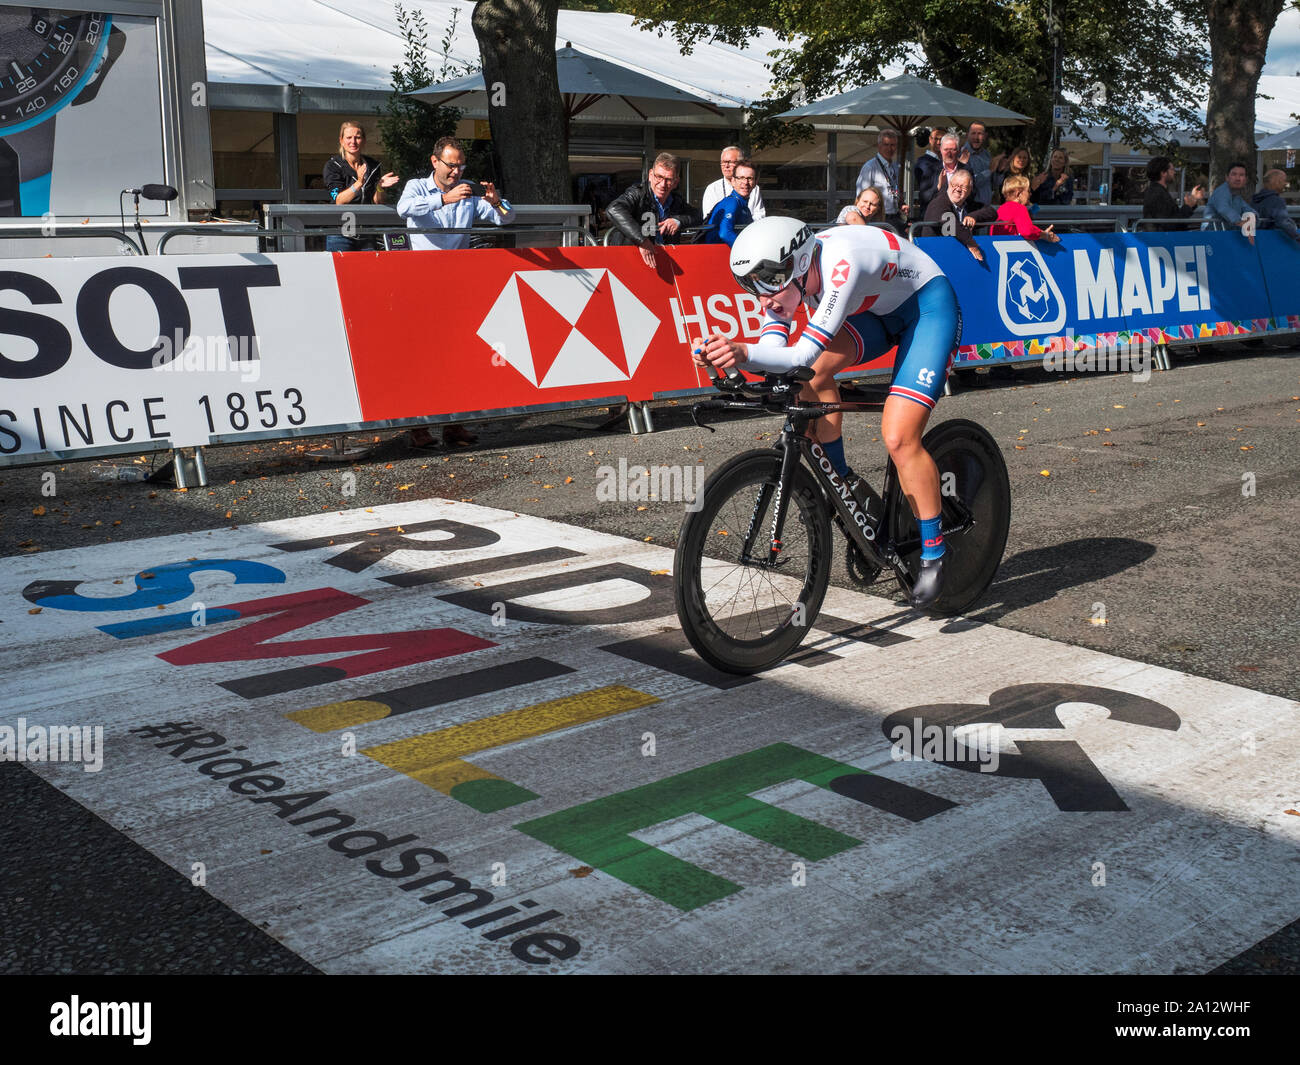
{"x": 404, "y": 487}
{"x": 568, "y": 480}
{"x": 1020, "y": 447}
{"x": 35, "y": 610}
{"x": 586, "y": 870}
{"x": 1117, "y": 406}
{"x": 38, "y": 511}
{"x": 1046, "y": 473}
{"x": 659, "y": 572}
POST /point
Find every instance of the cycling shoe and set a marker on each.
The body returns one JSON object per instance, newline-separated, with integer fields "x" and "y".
{"x": 929, "y": 581}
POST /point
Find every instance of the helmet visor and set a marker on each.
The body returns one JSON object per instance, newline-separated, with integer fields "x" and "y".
{"x": 766, "y": 278}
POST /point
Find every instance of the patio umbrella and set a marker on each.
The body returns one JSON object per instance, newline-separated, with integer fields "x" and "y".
{"x": 597, "y": 90}
{"x": 1287, "y": 139}
{"x": 903, "y": 103}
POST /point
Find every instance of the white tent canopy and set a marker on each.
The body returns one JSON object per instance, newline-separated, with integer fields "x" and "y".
{"x": 312, "y": 55}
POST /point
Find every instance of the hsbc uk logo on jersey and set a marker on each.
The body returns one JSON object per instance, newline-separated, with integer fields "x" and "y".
{"x": 569, "y": 327}
{"x": 840, "y": 273}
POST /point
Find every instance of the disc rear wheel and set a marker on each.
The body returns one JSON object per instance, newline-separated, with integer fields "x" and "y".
{"x": 973, "y": 473}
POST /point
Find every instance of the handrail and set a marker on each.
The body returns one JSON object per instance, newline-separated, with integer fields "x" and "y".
{"x": 280, "y": 234}
{"x": 55, "y": 232}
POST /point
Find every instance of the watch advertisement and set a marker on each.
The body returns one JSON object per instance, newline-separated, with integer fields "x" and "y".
{"x": 80, "y": 112}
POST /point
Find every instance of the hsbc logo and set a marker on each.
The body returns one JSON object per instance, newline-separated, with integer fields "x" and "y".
{"x": 569, "y": 327}
{"x": 840, "y": 273}
{"x": 889, "y": 271}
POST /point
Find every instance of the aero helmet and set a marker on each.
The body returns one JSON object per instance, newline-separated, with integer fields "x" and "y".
{"x": 772, "y": 253}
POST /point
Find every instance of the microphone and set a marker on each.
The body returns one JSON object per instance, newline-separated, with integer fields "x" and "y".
{"x": 158, "y": 192}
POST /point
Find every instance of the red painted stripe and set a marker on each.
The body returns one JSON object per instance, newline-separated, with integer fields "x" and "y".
{"x": 866, "y": 304}
{"x": 893, "y": 240}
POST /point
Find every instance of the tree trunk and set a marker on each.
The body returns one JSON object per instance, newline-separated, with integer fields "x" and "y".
{"x": 1239, "y": 31}
{"x": 530, "y": 131}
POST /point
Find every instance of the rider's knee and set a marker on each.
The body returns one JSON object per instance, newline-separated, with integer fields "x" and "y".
{"x": 898, "y": 443}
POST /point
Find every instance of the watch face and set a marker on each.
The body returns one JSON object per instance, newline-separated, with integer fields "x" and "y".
{"x": 45, "y": 58}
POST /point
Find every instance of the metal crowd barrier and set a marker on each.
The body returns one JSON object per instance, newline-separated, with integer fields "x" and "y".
{"x": 43, "y": 232}
{"x": 297, "y": 221}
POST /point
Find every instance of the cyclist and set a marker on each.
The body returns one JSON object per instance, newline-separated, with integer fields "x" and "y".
{"x": 867, "y": 290}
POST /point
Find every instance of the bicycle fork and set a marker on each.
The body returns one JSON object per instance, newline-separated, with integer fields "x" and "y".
{"x": 789, "y": 460}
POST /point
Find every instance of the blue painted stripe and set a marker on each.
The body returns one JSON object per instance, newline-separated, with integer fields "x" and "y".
{"x": 127, "y": 630}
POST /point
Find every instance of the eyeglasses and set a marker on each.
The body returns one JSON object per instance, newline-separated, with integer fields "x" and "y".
{"x": 453, "y": 166}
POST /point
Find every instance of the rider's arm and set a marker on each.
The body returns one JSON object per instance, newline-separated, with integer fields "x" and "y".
{"x": 773, "y": 353}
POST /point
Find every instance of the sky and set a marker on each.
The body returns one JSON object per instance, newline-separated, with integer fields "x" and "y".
{"x": 1283, "y": 55}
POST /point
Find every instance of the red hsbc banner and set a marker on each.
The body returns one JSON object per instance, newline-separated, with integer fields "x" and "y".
{"x": 447, "y": 332}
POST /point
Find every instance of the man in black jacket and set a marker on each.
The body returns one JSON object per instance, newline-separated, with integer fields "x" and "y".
{"x": 955, "y": 203}
{"x": 1158, "y": 203}
{"x": 653, "y": 213}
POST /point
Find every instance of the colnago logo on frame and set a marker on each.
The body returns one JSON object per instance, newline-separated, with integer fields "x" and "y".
{"x": 1029, "y": 300}
{"x": 569, "y": 327}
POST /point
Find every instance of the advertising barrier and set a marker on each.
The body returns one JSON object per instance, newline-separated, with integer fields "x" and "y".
{"x": 100, "y": 357}
{"x": 1100, "y": 291}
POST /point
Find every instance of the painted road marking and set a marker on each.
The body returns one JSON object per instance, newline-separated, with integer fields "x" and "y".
{"x": 438, "y": 758}
{"x": 840, "y": 813}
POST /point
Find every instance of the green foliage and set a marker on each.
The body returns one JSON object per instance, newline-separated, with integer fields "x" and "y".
{"x": 1135, "y": 65}
{"x": 411, "y": 128}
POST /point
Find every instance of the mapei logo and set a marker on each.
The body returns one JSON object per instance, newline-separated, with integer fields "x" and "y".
{"x": 569, "y": 327}
{"x": 1028, "y": 298}
{"x": 840, "y": 273}
{"x": 889, "y": 271}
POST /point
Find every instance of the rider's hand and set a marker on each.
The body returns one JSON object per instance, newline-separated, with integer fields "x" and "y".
{"x": 722, "y": 353}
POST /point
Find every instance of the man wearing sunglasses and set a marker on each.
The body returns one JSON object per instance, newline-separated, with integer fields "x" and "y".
{"x": 867, "y": 291}
{"x": 446, "y": 200}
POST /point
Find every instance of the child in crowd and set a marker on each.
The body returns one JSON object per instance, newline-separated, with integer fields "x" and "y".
{"x": 1014, "y": 213}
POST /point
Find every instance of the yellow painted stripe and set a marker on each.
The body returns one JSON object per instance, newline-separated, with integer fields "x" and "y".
{"x": 334, "y": 716}
{"x": 435, "y": 758}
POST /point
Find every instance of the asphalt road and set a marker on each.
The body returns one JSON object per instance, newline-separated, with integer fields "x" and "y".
{"x": 1164, "y": 508}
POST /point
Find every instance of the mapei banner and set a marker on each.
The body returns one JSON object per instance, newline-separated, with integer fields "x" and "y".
{"x": 1103, "y": 290}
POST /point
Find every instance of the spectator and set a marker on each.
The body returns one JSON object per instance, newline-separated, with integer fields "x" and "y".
{"x": 881, "y": 174}
{"x": 353, "y": 178}
{"x": 446, "y": 200}
{"x": 1014, "y": 212}
{"x": 1226, "y": 207}
{"x": 731, "y": 213}
{"x": 938, "y": 177}
{"x": 1158, "y": 203}
{"x": 1054, "y": 185}
{"x": 1018, "y": 162}
{"x": 1271, "y": 208}
{"x": 925, "y": 171}
{"x": 652, "y": 214}
{"x": 868, "y": 207}
{"x": 975, "y": 154}
{"x": 954, "y": 203}
{"x": 720, "y": 189}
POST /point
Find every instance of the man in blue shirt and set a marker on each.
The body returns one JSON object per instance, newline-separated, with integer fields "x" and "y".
{"x": 444, "y": 201}
{"x": 731, "y": 214}
{"x": 1226, "y": 205}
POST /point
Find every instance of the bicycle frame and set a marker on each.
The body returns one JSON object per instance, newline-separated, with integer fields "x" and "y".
{"x": 869, "y": 533}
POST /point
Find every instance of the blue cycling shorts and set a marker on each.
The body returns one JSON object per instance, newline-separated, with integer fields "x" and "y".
{"x": 927, "y": 329}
